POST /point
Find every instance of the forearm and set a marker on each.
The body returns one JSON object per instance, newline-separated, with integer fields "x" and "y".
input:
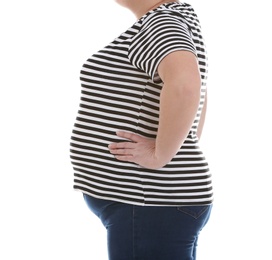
{"x": 178, "y": 107}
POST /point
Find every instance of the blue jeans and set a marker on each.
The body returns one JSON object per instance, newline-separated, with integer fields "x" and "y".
{"x": 148, "y": 232}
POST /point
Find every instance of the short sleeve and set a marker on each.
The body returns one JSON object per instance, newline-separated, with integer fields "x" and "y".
{"x": 162, "y": 34}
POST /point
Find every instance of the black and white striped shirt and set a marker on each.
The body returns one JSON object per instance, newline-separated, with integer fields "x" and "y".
{"x": 121, "y": 91}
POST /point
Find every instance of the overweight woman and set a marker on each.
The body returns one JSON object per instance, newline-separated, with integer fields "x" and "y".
{"x": 134, "y": 147}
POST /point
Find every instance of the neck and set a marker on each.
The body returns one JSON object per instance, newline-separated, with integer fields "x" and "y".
{"x": 143, "y": 6}
{"x": 156, "y": 5}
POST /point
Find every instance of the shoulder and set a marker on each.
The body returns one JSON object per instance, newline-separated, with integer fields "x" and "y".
{"x": 162, "y": 18}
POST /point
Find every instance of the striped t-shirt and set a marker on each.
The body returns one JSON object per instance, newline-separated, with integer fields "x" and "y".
{"x": 121, "y": 91}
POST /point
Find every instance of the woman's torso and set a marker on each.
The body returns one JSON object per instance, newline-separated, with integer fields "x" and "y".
{"x": 116, "y": 95}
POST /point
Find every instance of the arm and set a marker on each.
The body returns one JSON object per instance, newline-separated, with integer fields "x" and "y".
{"x": 178, "y": 102}
{"x": 178, "y": 106}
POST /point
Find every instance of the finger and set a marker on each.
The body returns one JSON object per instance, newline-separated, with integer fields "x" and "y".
{"x": 128, "y": 135}
{"x": 126, "y": 152}
{"x": 127, "y": 158}
{"x": 122, "y": 145}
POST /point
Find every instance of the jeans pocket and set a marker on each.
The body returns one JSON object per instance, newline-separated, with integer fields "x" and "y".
{"x": 194, "y": 211}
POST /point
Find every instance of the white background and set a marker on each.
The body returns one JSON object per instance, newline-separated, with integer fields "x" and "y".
{"x": 43, "y": 46}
